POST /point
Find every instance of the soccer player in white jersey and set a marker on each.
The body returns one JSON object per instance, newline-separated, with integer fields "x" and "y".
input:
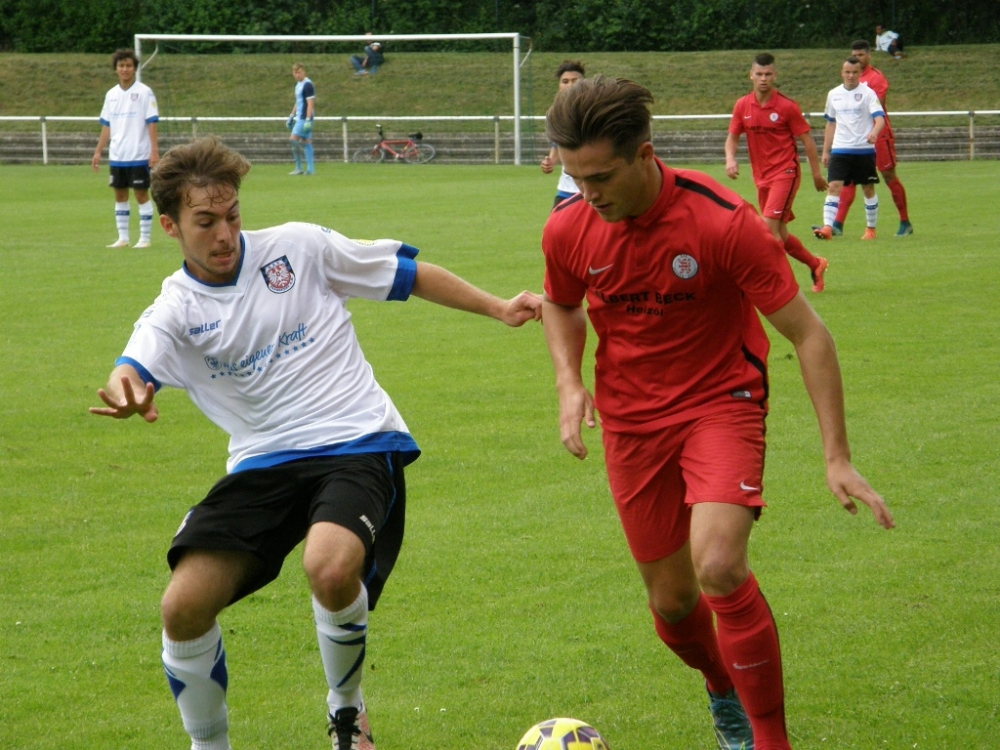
{"x": 254, "y": 327}
{"x": 568, "y": 73}
{"x": 854, "y": 118}
{"x": 128, "y": 122}
{"x": 300, "y": 121}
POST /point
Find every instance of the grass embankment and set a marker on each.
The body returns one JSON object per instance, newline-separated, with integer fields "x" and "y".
{"x": 434, "y": 83}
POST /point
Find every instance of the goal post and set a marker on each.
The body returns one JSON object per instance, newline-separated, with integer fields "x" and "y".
{"x": 514, "y": 37}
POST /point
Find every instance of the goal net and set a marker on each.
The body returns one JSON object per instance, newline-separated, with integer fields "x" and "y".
{"x": 474, "y": 84}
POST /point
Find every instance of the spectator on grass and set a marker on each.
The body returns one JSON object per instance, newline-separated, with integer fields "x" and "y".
{"x": 674, "y": 269}
{"x": 889, "y": 41}
{"x": 300, "y": 122}
{"x": 568, "y": 73}
{"x": 255, "y": 327}
{"x": 369, "y": 62}
{"x": 128, "y": 121}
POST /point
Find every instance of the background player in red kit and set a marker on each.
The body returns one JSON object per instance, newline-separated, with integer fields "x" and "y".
{"x": 885, "y": 148}
{"x": 672, "y": 265}
{"x": 772, "y": 123}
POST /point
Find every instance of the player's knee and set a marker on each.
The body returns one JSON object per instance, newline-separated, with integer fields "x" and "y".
{"x": 335, "y": 583}
{"x": 185, "y": 618}
{"x": 721, "y": 571}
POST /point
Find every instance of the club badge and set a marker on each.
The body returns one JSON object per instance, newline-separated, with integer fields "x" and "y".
{"x": 684, "y": 266}
{"x": 278, "y": 275}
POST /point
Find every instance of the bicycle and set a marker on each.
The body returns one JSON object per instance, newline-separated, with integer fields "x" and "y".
{"x": 409, "y": 150}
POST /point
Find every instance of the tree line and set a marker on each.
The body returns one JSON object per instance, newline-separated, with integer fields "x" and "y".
{"x": 579, "y": 26}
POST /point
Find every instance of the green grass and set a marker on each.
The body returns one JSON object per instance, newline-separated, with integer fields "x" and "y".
{"x": 514, "y": 599}
{"x": 432, "y": 83}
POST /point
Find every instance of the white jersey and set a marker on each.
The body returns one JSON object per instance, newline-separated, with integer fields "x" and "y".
{"x": 854, "y": 112}
{"x": 883, "y": 40}
{"x": 272, "y": 358}
{"x": 567, "y": 185}
{"x": 128, "y": 113}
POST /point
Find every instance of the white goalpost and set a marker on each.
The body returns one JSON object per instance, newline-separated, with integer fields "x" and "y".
{"x": 514, "y": 37}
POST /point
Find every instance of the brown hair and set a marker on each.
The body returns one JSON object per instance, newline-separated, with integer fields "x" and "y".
{"x": 570, "y": 66}
{"x": 124, "y": 54}
{"x": 202, "y": 163}
{"x": 861, "y": 44}
{"x": 601, "y": 108}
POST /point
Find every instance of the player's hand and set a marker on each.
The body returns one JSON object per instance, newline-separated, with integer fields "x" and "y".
{"x": 129, "y": 403}
{"x": 732, "y": 169}
{"x": 846, "y": 483}
{"x": 307, "y": 128}
{"x": 576, "y": 407}
{"x": 820, "y": 182}
{"x": 290, "y": 122}
{"x": 872, "y": 136}
{"x": 522, "y": 308}
{"x": 825, "y": 159}
{"x": 547, "y": 165}
{"x": 95, "y": 162}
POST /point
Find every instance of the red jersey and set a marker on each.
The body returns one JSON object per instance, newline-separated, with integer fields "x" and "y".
{"x": 671, "y": 295}
{"x": 771, "y": 129}
{"x": 877, "y": 82}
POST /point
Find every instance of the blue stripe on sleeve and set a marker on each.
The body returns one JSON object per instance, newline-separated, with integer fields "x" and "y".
{"x": 406, "y": 273}
{"x": 143, "y": 372}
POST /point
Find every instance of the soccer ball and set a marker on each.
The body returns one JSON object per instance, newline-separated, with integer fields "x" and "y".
{"x": 562, "y": 734}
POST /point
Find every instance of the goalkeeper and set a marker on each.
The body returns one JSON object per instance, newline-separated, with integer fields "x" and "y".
{"x": 300, "y": 121}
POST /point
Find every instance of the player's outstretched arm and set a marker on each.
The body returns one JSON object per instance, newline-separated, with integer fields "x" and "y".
{"x": 126, "y": 394}
{"x": 566, "y": 336}
{"x": 800, "y": 324}
{"x": 442, "y": 287}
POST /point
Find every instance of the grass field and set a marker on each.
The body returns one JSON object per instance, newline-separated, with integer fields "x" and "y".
{"x": 514, "y": 599}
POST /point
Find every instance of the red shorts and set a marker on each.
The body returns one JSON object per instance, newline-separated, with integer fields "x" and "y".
{"x": 775, "y": 197}
{"x": 655, "y": 478}
{"x": 885, "y": 152}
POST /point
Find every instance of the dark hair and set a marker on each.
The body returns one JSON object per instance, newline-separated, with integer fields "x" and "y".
{"x": 124, "y": 54}
{"x": 600, "y": 108}
{"x": 764, "y": 59}
{"x": 861, "y": 44}
{"x": 202, "y": 163}
{"x": 568, "y": 66}
{"x": 852, "y": 60}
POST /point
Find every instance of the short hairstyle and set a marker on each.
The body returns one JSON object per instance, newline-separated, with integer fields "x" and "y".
{"x": 764, "y": 59}
{"x": 852, "y": 60}
{"x": 202, "y": 163}
{"x": 298, "y": 66}
{"x": 570, "y": 66}
{"x": 861, "y": 44}
{"x": 601, "y": 108}
{"x": 124, "y": 54}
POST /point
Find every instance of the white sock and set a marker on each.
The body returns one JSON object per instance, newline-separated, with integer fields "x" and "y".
{"x": 342, "y": 637}
{"x": 871, "y": 211}
{"x": 196, "y": 672}
{"x": 145, "y": 220}
{"x": 830, "y": 209}
{"x": 121, "y": 220}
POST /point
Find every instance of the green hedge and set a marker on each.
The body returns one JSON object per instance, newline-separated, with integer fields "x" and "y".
{"x": 578, "y": 25}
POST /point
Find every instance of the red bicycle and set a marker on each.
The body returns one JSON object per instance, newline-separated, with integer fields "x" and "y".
{"x": 409, "y": 150}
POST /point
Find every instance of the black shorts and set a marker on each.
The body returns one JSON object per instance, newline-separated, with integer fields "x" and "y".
{"x": 267, "y": 512}
{"x": 852, "y": 169}
{"x": 123, "y": 178}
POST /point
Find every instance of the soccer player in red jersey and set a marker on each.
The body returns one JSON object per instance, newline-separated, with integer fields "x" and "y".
{"x": 674, "y": 268}
{"x": 885, "y": 148}
{"x": 773, "y": 123}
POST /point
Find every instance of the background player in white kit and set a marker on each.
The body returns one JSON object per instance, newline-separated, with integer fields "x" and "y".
{"x": 254, "y": 327}
{"x": 128, "y": 122}
{"x": 854, "y": 118}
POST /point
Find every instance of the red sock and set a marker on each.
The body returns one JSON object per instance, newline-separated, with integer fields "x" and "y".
{"x": 795, "y": 248}
{"x": 693, "y": 640}
{"x": 748, "y": 640}
{"x": 898, "y": 197}
{"x": 846, "y": 199}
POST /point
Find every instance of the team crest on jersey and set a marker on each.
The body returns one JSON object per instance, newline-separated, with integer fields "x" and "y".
{"x": 135, "y": 97}
{"x": 279, "y": 275}
{"x": 773, "y": 117}
{"x": 684, "y": 266}
{"x": 857, "y": 97}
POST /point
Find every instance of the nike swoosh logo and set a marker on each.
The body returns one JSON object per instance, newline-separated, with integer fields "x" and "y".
{"x": 748, "y": 488}
{"x": 747, "y": 117}
{"x": 594, "y": 271}
{"x": 750, "y": 666}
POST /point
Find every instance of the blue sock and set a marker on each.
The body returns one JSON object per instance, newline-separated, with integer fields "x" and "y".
{"x": 308, "y": 149}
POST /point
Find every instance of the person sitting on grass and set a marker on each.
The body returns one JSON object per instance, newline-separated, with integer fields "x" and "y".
{"x": 368, "y": 64}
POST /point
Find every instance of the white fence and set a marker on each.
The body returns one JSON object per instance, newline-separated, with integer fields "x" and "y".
{"x": 345, "y": 122}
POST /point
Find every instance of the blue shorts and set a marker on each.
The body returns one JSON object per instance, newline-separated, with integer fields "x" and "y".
{"x": 300, "y": 128}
